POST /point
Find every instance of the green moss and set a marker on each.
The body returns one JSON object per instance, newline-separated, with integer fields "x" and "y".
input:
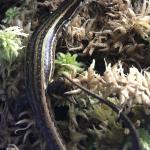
{"x": 10, "y": 15}
{"x": 67, "y": 63}
{"x": 10, "y": 44}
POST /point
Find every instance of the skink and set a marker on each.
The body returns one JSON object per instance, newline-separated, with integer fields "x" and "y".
{"x": 39, "y": 69}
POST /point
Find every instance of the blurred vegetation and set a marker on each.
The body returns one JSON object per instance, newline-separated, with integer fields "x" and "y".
{"x": 113, "y": 38}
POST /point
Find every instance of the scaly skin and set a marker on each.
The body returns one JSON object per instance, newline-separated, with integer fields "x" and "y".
{"x": 39, "y": 68}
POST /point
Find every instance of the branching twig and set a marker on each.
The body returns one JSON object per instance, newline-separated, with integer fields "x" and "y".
{"x": 123, "y": 116}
